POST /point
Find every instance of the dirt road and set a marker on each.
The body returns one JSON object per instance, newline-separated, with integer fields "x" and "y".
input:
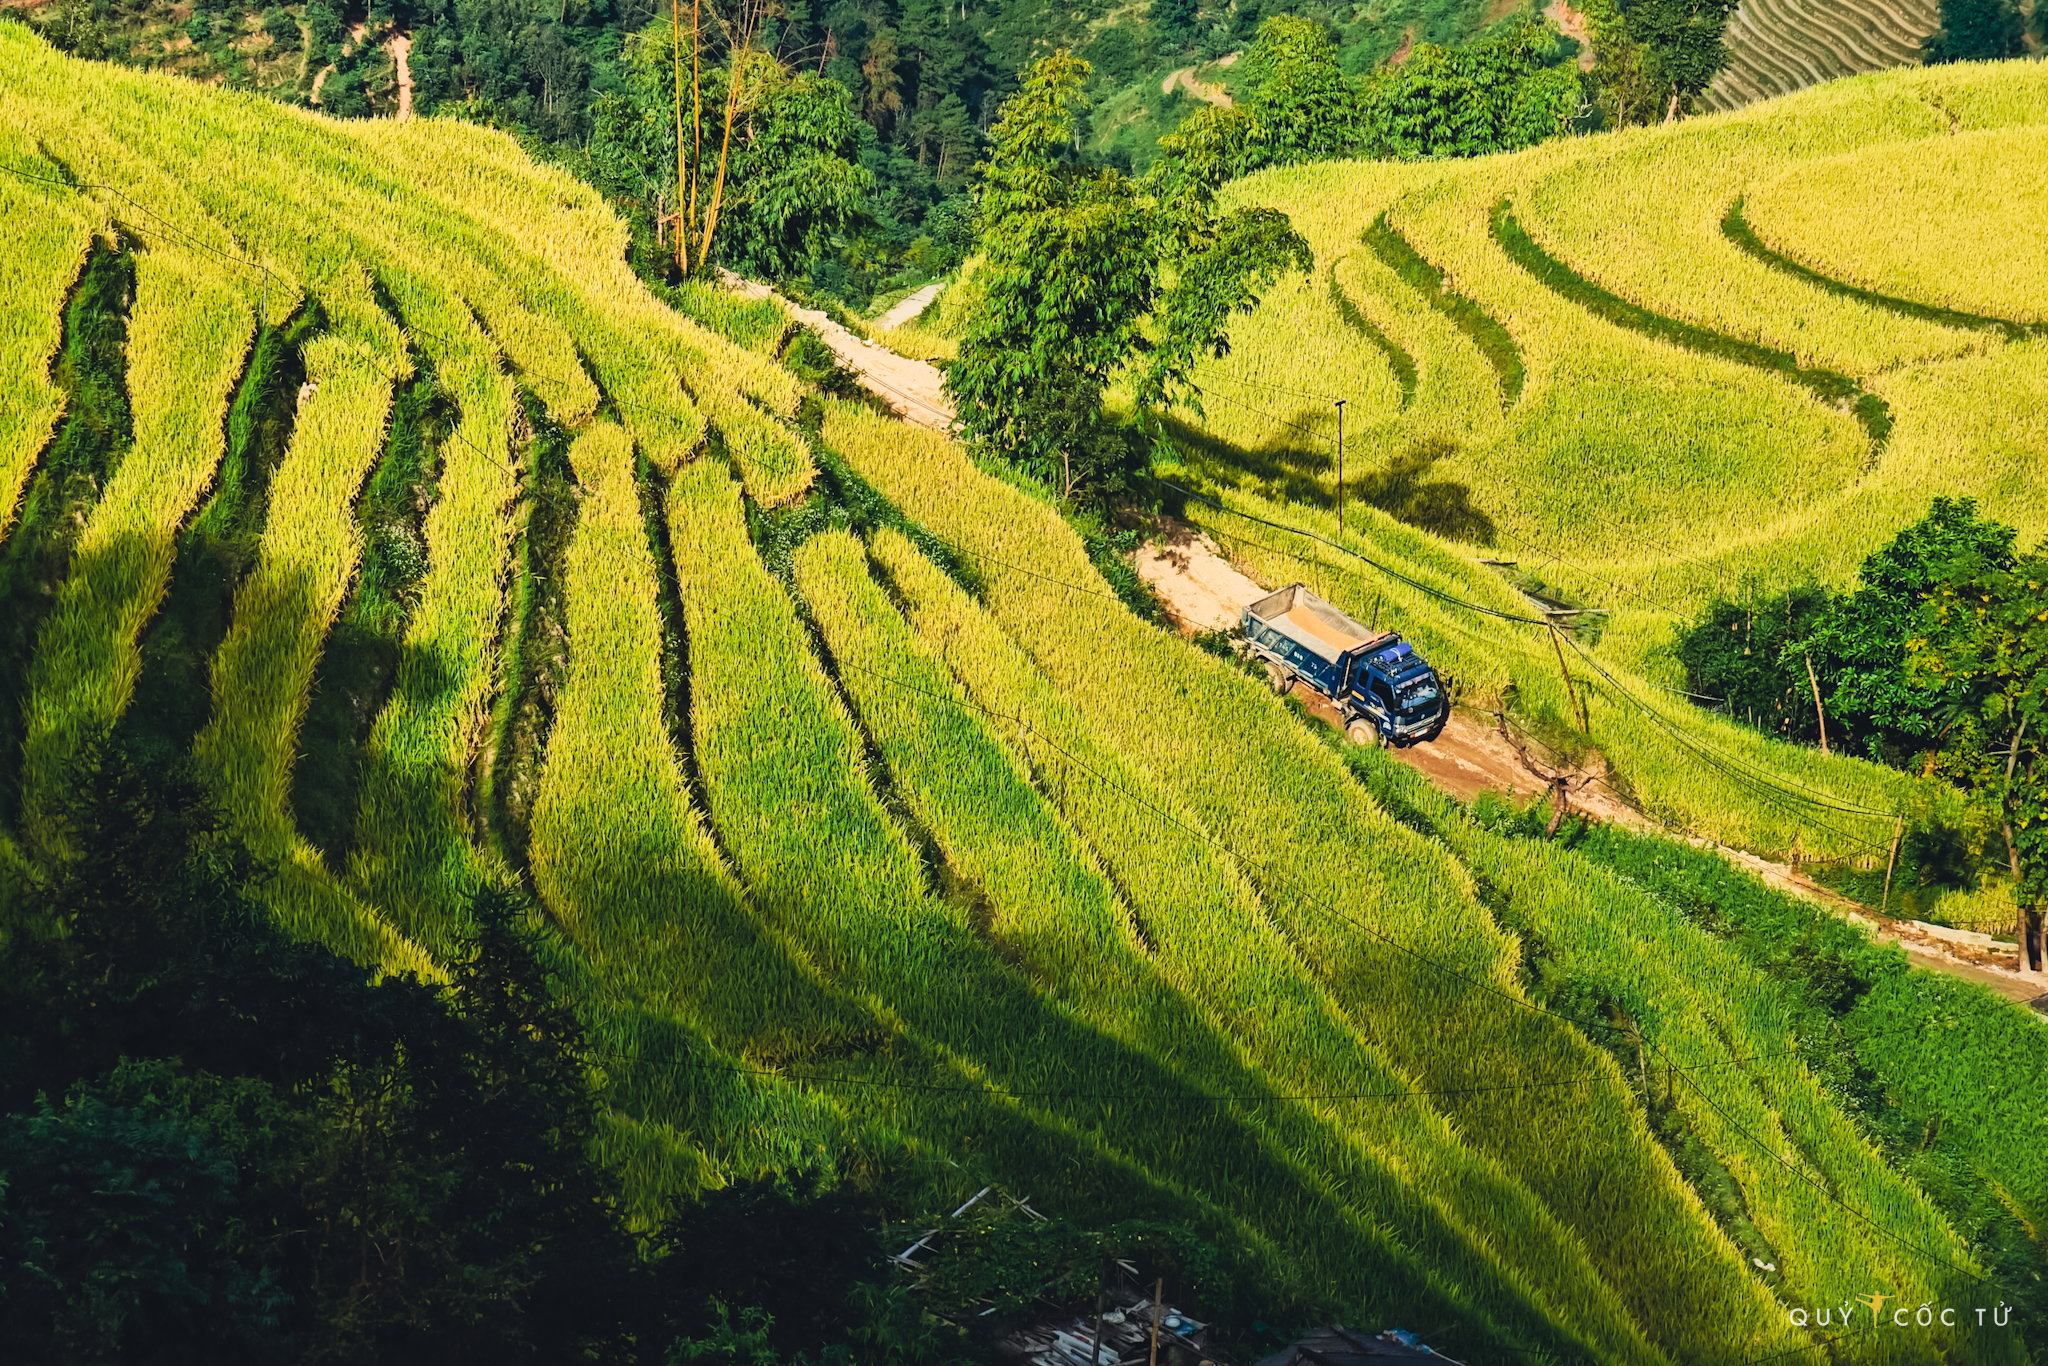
{"x": 911, "y": 388}
{"x": 1202, "y": 591}
{"x": 1184, "y": 79}
{"x": 911, "y": 307}
{"x": 401, "y": 54}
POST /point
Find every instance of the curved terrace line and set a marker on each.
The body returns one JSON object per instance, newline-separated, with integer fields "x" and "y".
{"x": 1398, "y": 360}
{"x": 1829, "y": 386}
{"x": 1737, "y": 230}
{"x": 1493, "y": 340}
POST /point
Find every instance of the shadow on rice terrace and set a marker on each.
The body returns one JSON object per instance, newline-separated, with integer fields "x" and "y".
{"x": 1294, "y": 468}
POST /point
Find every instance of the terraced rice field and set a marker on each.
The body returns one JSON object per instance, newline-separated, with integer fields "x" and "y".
{"x": 1779, "y": 46}
{"x": 913, "y": 849}
{"x": 1753, "y": 373}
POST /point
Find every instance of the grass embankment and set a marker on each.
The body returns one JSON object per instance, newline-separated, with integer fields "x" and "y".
{"x": 359, "y": 662}
{"x": 1646, "y": 477}
{"x": 39, "y": 278}
{"x": 1943, "y": 217}
{"x": 1920, "y": 1059}
{"x": 1493, "y": 340}
{"x": 1674, "y": 261}
{"x": 412, "y": 855}
{"x": 1421, "y": 969}
{"x": 1736, "y": 229}
{"x": 1398, "y": 359}
{"x": 631, "y": 873}
{"x": 219, "y": 545}
{"x": 1829, "y": 386}
{"x": 187, "y": 338}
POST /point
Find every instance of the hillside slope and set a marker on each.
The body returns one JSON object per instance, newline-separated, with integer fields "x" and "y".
{"x": 1718, "y": 357}
{"x": 1779, "y": 46}
{"x": 863, "y": 852}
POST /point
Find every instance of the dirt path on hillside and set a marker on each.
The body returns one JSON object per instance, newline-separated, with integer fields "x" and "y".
{"x": 912, "y": 307}
{"x": 401, "y": 51}
{"x": 911, "y": 388}
{"x": 1572, "y": 23}
{"x": 1184, "y": 79}
{"x": 1203, "y": 591}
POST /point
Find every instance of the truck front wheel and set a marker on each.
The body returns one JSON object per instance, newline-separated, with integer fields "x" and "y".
{"x": 1277, "y": 679}
{"x": 1362, "y": 732}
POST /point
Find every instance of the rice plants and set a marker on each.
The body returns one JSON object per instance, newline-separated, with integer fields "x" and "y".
{"x": 791, "y": 800}
{"x": 411, "y": 856}
{"x": 616, "y": 850}
{"x": 1938, "y": 221}
{"x": 1197, "y": 920}
{"x": 635, "y": 339}
{"x": 1674, "y": 260}
{"x": 90, "y": 374}
{"x": 1709, "y": 1039}
{"x": 186, "y": 336}
{"x": 35, "y": 274}
{"x": 283, "y": 611}
{"x": 1421, "y": 969}
{"x": 1695, "y": 771}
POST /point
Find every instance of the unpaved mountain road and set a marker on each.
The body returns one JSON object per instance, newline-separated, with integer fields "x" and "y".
{"x": 1203, "y": 591}
{"x": 910, "y": 308}
{"x": 911, "y": 388}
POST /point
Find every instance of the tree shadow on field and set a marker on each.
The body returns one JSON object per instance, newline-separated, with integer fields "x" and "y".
{"x": 405, "y": 836}
{"x": 1256, "y": 1159}
{"x": 1294, "y": 468}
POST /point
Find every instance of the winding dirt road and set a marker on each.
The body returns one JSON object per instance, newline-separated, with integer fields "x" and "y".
{"x": 913, "y": 390}
{"x": 1203, "y": 591}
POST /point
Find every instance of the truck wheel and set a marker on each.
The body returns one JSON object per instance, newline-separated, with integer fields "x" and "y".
{"x": 1278, "y": 681}
{"x": 1362, "y": 733}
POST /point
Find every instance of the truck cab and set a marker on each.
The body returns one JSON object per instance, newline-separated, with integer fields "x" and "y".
{"x": 1386, "y": 692}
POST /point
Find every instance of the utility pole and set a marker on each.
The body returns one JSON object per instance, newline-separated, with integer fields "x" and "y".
{"x": 1585, "y": 726}
{"x": 1340, "y": 463}
{"x": 1884, "y": 907}
{"x": 1158, "y": 1292}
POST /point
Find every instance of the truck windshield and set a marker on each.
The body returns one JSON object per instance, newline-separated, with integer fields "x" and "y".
{"x": 1416, "y": 691}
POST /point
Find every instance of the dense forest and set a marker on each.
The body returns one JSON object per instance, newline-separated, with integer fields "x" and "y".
{"x": 874, "y": 120}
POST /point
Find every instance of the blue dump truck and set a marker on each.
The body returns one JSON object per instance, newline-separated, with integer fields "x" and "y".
{"x": 1387, "y": 693}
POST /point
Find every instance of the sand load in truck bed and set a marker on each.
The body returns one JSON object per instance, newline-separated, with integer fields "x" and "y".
{"x": 1338, "y": 639}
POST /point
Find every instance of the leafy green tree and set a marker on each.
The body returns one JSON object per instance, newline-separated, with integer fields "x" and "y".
{"x": 1746, "y": 659}
{"x": 1304, "y": 107}
{"x": 1861, "y": 645}
{"x": 1975, "y": 31}
{"x": 110, "y": 1243}
{"x": 281, "y": 28}
{"x": 1657, "y": 57}
{"x": 797, "y": 180}
{"x": 1499, "y": 93}
{"x": 1175, "y": 21}
{"x": 1983, "y": 653}
{"x": 1075, "y": 259}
